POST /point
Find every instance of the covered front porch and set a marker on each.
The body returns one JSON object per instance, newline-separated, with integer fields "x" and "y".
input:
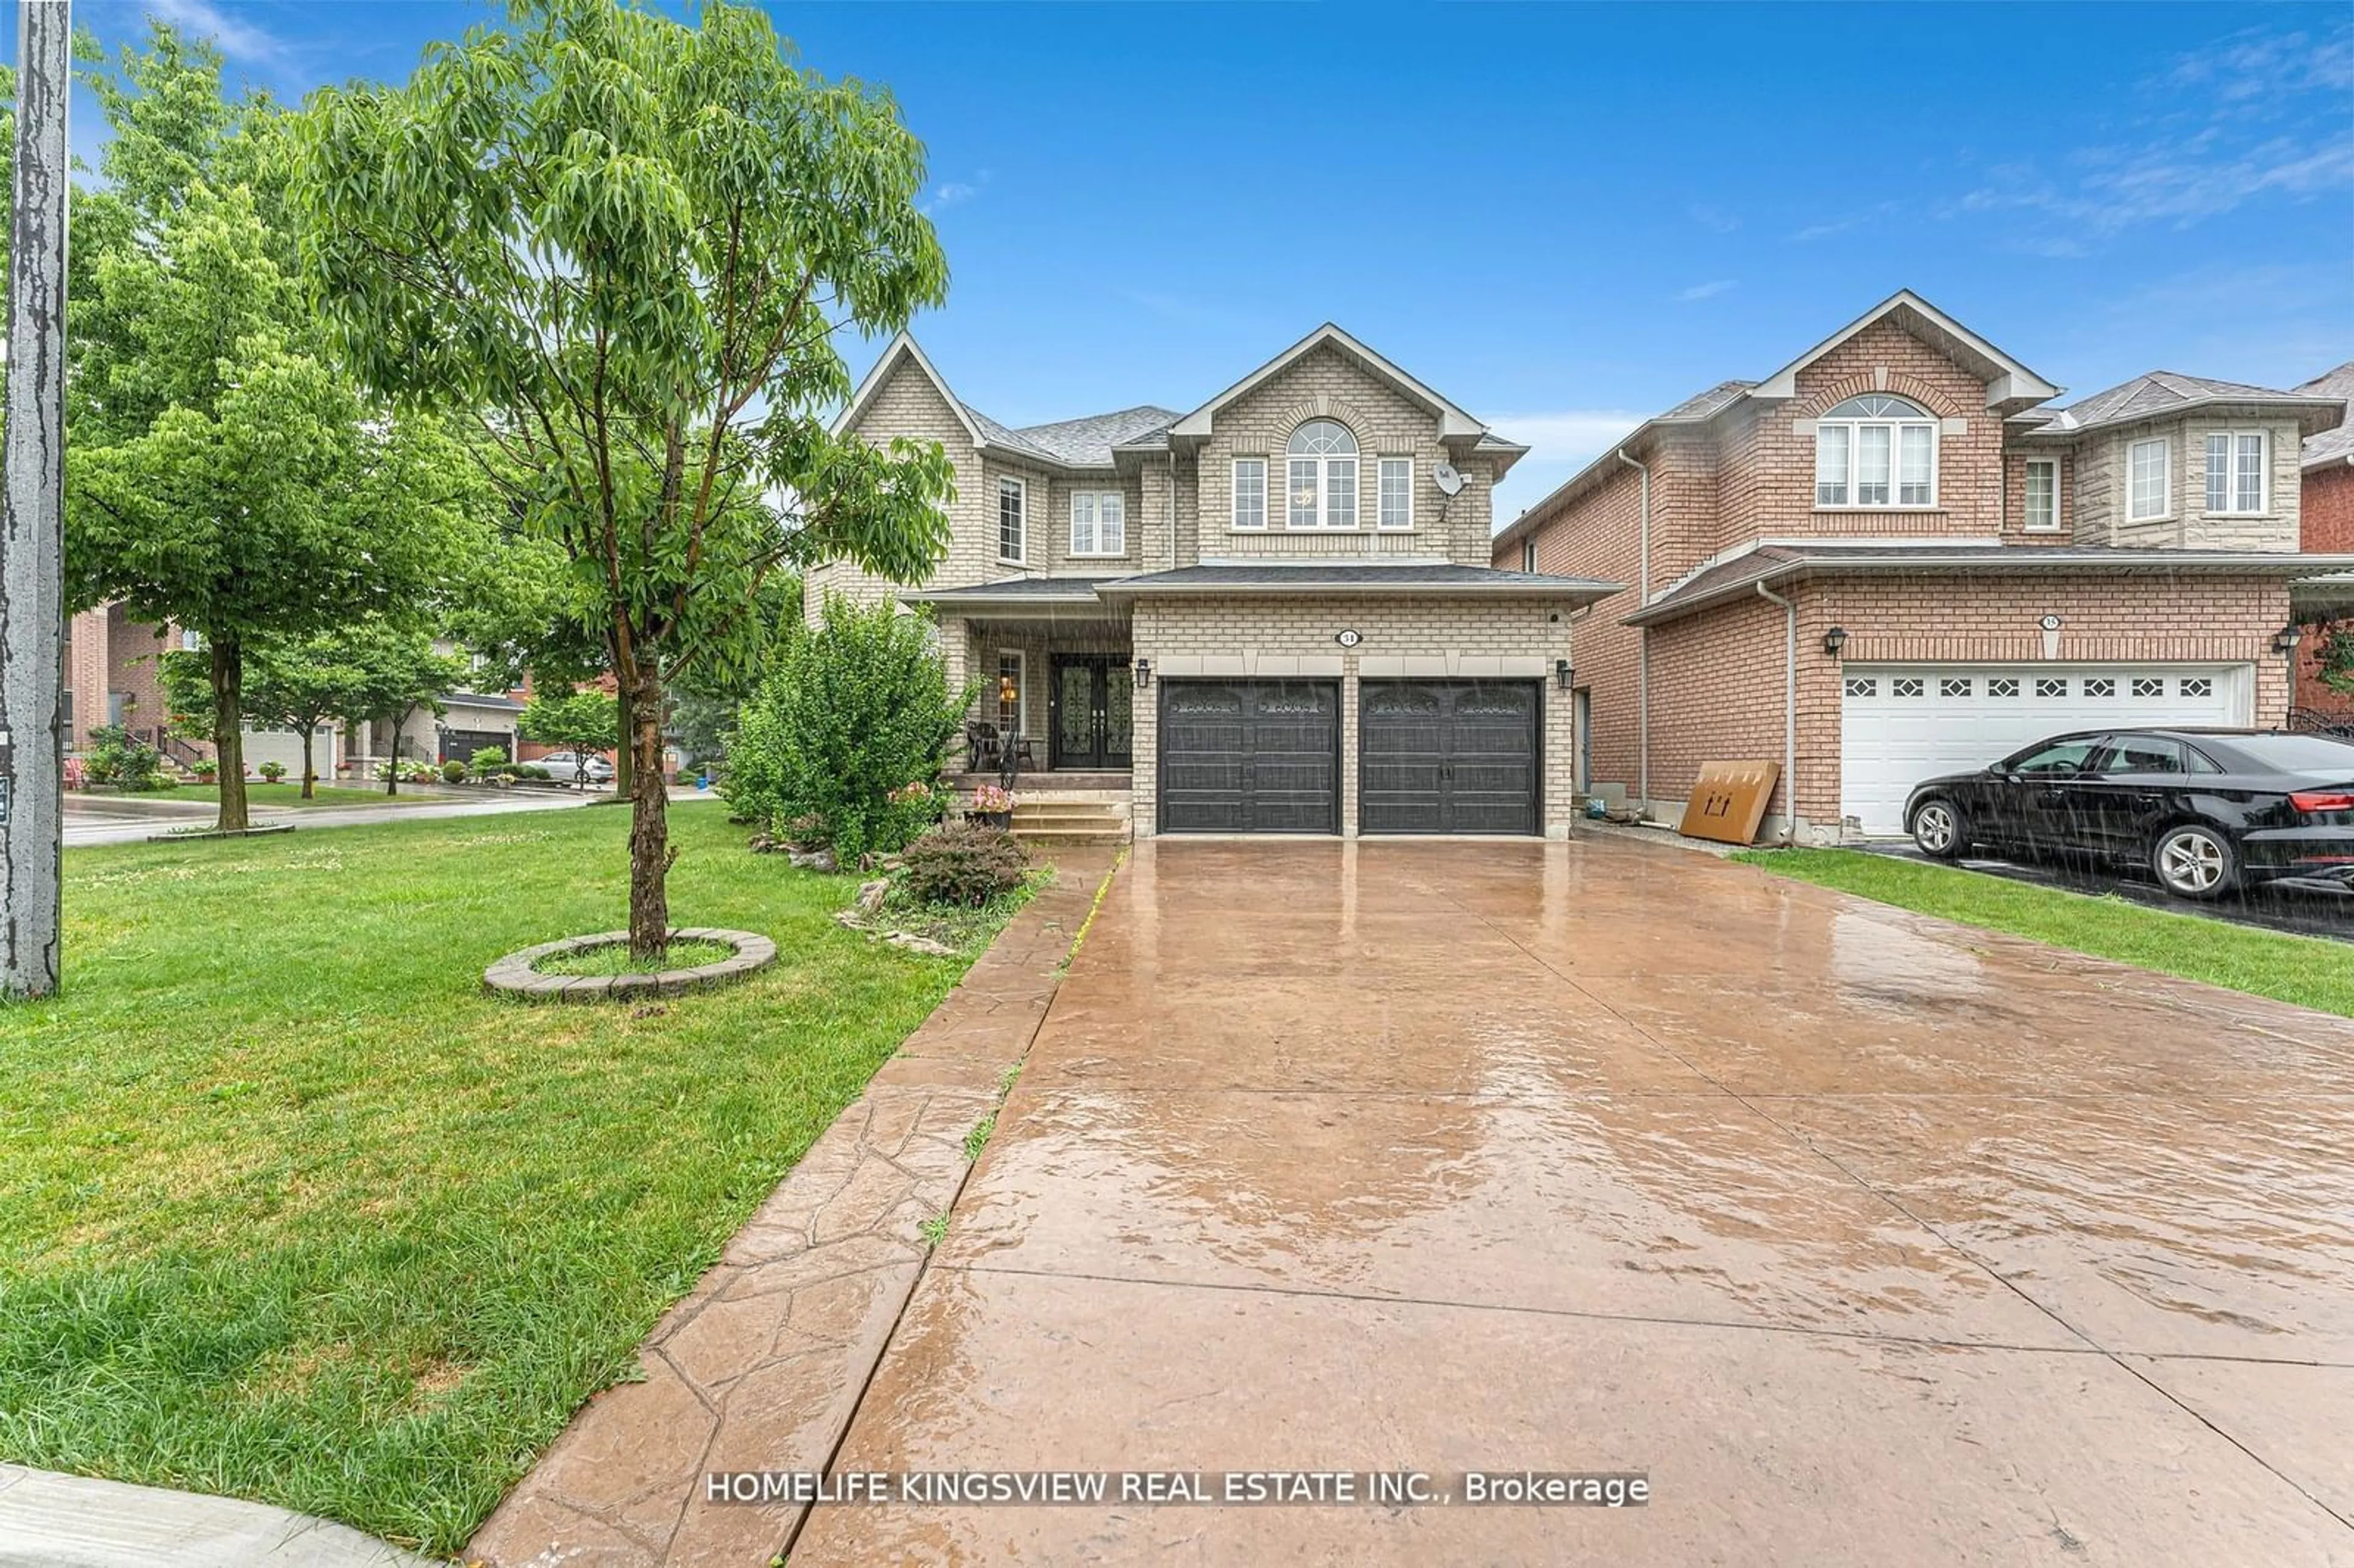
{"x": 1051, "y": 669}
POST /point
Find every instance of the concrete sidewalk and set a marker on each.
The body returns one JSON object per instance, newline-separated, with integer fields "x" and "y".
{"x": 102, "y": 827}
{"x": 49, "y": 1521}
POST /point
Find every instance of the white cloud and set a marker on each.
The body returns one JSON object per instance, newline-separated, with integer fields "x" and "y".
{"x": 954, "y": 192}
{"x": 1560, "y": 441}
{"x": 1707, "y": 290}
{"x": 238, "y": 39}
{"x": 1713, "y": 218}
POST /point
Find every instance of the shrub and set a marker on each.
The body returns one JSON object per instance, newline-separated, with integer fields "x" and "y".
{"x": 411, "y": 772}
{"x": 487, "y": 762}
{"x": 205, "y": 769}
{"x": 850, "y": 716}
{"x": 453, "y": 771}
{"x": 963, "y": 864}
{"x": 120, "y": 758}
{"x": 529, "y": 770}
{"x": 272, "y": 770}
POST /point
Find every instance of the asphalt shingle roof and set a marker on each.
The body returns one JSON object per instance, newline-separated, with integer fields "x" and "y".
{"x": 1043, "y": 589}
{"x": 1347, "y": 575}
{"x": 2337, "y": 445}
{"x": 2147, "y": 397}
{"x": 1076, "y": 443}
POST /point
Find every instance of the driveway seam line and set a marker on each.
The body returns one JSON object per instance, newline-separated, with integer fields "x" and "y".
{"x": 1061, "y": 973}
{"x": 2115, "y": 1358}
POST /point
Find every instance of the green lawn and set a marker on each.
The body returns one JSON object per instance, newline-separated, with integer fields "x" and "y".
{"x": 2306, "y": 970}
{"x": 293, "y": 1211}
{"x": 292, "y": 795}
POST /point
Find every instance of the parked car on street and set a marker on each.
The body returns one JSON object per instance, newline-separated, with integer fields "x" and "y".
{"x": 2207, "y": 811}
{"x": 568, "y": 766}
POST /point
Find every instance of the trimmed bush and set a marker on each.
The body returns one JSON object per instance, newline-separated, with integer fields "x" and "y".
{"x": 453, "y": 771}
{"x": 963, "y": 863}
{"x": 855, "y": 716}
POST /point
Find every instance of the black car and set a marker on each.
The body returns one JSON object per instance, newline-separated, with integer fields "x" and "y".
{"x": 2206, "y": 809}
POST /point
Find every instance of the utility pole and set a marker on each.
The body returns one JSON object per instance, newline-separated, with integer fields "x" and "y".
{"x": 32, "y": 545}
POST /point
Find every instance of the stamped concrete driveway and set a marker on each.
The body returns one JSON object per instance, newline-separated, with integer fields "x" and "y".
{"x": 1870, "y": 1238}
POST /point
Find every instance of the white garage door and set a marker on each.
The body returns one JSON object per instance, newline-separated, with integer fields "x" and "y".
{"x": 1901, "y": 723}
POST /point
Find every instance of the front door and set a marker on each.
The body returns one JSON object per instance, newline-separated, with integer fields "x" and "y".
{"x": 1092, "y": 718}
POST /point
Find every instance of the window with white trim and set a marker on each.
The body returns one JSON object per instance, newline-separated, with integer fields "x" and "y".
{"x": 1953, "y": 686}
{"x": 1528, "y": 554}
{"x": 2002, "y": 686}
{"x": 1397, "y": 493}
{"x": 1907, "y": 686}
{"x": 1876, "y": 450}
{"x": 2148, "y": 686}
{"x": 1099, "y": 522}
{"x": 1862, "y": 686}
{"x": 2235, "y": 471}
{"x": 1323, "y": 457}
{"x": 2148, "y": 492}
{"x": 1011, "y": 494}
{"x": 2042, "y": 495}
{"x": 2100, "y": 686}
{"x": 2197, "y": 686}
{"x": 2050, "y": 685}
{"x": 1250, "y": 492}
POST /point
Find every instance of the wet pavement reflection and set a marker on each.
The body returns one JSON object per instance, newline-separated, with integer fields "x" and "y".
{"x": 1604, "y": 1155}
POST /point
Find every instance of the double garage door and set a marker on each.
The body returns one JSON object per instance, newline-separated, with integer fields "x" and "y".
{"x": 1901, "y": 723}
{"x": 1434, "y": 757}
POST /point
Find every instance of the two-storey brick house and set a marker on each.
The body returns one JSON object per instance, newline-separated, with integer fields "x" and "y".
{"x": 1892, "y": 557}
{"x": 1272, "y": 613}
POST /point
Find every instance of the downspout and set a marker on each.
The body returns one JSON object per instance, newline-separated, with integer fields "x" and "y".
{"x": 1790, "y": 713}
{"x": 1642, "y": 644}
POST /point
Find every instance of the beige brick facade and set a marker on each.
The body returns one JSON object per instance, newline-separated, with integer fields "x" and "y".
{"x": 1269, "y": 638}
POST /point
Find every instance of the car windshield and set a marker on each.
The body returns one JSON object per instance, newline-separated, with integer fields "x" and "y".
{"x": 2297, "y": 753}
{"x": 2061, "y": 757}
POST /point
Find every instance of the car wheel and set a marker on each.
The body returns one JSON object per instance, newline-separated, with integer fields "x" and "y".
{"x": 1940, "y": 829}
{"x": 2195, "y": 860}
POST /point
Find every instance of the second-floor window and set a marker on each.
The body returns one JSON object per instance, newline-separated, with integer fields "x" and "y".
{"x": 2147, "y": 489}
{"x": 1250, "y": 492}
{"x": 1010, "y": 497}
{"x": 1397, "y": 493}
{"x": 2235, "y": 471}
{"x": 1099, "y": 522}
{"x": 2042, "y": 495}
{"x": 1876, "y": 450}
{"x": 1323, "y": 478}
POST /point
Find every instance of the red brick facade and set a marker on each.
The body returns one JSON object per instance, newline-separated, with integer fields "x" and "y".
{"x": 1722, "y": 483}
{"x": 2328, "y": 523}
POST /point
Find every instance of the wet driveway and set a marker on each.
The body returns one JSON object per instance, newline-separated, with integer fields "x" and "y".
{"x": 1869, "y": 1238}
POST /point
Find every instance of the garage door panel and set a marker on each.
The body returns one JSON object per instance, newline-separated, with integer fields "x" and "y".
{"x": 1250, "y": 756}
{"x": 1439, "y": 757}
{"x": 1901, "y": 724}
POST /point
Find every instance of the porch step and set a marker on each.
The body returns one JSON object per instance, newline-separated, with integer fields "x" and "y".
{"x": 1059, "y": 819}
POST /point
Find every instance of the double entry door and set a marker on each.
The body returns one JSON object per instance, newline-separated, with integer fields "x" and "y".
{"x": 1093, "y": 713}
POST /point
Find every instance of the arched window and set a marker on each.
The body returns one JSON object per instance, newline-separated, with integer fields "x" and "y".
{"x": 1876, "y": 450}
{"x": 1323, "y": 475}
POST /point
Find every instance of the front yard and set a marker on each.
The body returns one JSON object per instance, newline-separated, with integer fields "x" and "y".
{"x": 258, "y": 795}
{"x": 2305, "y": 970}
{"x": 294, "y": 1212}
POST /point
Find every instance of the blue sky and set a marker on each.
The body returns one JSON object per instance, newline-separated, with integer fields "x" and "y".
{"x": 1566, "y": 217}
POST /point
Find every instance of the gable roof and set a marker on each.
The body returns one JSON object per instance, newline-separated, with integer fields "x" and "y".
{"x": 2331, "y": 446}
{"x": 1067, "y": 443}
{"x": 2007, "y": 381}
{"x": 2157, "y": 394}
{"x": 1454, "y": 424}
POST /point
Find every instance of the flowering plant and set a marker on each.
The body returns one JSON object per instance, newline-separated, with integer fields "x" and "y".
{"x": 992, "y": 798}
{"x": 75, "y": 775}
{"x": 910, "y": 794}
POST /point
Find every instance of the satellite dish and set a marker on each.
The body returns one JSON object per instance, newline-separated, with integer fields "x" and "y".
{"x": 1450, "y": 480}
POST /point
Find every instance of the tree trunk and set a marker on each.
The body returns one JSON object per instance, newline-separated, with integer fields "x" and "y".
{"x": 308, "y": 777}
{"x": 228, "y": 729}
{"x": 392, "y": 768}
{"x": 624, "y": 758}
{"x": 649, "y": 852}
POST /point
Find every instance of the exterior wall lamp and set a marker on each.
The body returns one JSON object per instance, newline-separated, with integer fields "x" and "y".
{"x": 1834, "y": 640}
{"x": 2285, "y": 639}
{"x": 1143, "y": 673}
{"x": 1562, "y": 673}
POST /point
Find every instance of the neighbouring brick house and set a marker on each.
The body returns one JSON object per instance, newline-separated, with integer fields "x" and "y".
{"x": 1895, "y": 557}
{"x": 1274, "y": 612}
{"x": 2327, "y": 517}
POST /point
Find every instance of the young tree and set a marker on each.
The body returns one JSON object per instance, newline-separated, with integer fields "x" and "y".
{"x": 583, "y": 723}
{"x": 221, "y": 475}
{"x": 628, "y": 243}
{"x": 398, "y": 672}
